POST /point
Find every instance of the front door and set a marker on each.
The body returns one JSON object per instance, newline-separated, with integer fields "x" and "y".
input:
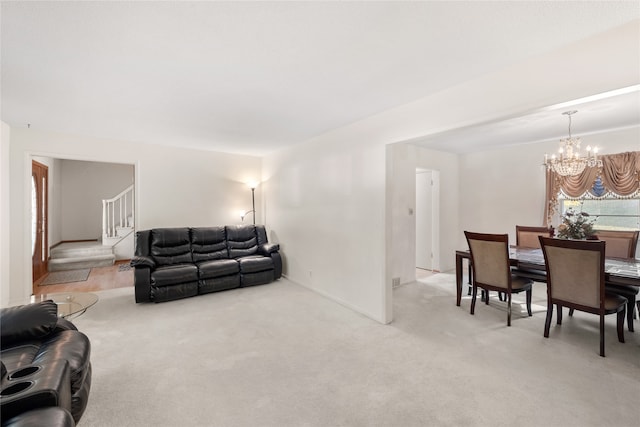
{"x": 39, "y": 240}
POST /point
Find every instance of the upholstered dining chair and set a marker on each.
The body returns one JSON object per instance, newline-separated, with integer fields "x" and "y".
{"x": 527, "y": 237}
{"x": 491, "y": 269}
{"x": 622, "y": 244}
{"x": 575, "y": 279}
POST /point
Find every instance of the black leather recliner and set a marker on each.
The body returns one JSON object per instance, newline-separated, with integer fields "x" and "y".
{"x": 45, "y": 365}
{"x": 174, "y": 263}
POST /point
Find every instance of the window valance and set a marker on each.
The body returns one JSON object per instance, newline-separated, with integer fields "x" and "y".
{"x": 619, "y": 176}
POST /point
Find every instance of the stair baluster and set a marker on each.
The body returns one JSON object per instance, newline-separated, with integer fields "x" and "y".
{"x": 117, "y": 212}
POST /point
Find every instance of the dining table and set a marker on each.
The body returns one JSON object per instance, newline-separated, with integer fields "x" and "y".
{"x": 618, "y": 271}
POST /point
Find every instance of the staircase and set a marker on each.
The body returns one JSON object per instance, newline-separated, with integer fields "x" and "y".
{"x": 117, "y": 223}
{"x": 116, "y": 242}
{"x": 77, "y": 255}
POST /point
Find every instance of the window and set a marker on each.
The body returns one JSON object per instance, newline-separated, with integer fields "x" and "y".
{"x": 610, "y": 213}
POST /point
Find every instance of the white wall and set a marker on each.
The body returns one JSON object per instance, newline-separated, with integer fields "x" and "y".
{"x": 5, "y": 226}
{"x": 174, "y": 187}
{"x": 500, "y": 189}
{"x": 83, "y": 186}
{"x": 401, "y": 175}
{"x": 324, "y": 203}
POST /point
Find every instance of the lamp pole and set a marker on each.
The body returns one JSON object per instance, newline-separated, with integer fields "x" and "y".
{"x": 253, "y": 204}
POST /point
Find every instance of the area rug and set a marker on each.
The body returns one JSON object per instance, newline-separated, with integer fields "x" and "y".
{"x": 67, "y": 276}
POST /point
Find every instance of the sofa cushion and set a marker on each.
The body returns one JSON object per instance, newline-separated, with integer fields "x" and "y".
{"x": 27, "y": 322}
{"x": 174, "y": 274}
{"x": 241, "y": 240}
{"x": 218, "y": 268}
{"x": 253, "y": 264}
{"x": 208, "y": 244}
{"x": 171, "y": 246}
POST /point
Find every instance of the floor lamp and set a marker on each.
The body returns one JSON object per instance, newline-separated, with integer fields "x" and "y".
{"x": 253, "y": 204}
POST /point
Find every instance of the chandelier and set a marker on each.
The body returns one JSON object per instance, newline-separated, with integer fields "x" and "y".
{"x": 569, "y": 161}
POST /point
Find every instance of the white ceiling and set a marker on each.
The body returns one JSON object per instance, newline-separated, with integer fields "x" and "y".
{"x": 253, "y": 77}
{"x": 614, "y": 110}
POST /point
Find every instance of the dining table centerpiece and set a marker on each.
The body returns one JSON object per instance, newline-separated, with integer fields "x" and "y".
{"x": 576, "y": 225}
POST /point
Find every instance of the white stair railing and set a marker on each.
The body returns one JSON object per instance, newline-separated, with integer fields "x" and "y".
{"x": 117, "y": 212}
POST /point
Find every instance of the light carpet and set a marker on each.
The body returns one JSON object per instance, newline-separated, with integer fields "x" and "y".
{"x": 281, "y": 355}
{"x": 66, "y": 276}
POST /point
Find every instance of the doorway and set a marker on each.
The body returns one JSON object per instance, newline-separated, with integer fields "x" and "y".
{"x": 427, "y": 220}
{"x": 39, "y": 219}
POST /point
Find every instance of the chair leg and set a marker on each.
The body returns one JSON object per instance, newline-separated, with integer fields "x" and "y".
{"x": 486, "y": 297}
{"x": 547, "y": 322}
{"x": 474, "y": 292}
{"x": 631, "y": 309}
{"x": 559, "y": 308}
{"x": 508, "y": 308}
{"x": 620, "y": 324}
{"x": 529, "y": 293}
{"x": 602, "y": 334}
{"x": 571, "y": 312}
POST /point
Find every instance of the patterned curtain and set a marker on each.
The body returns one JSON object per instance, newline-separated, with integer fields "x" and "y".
{"x": 618, "y": 177}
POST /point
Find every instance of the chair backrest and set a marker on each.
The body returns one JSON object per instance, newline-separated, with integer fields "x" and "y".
{"x": 490, "y": 259}
{"x": 620, "y": 244}
{"x": 575, "y": 272}
{"x": 527, "y": 236}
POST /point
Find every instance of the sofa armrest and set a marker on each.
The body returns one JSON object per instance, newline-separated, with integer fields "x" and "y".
{"x": 268, "y": 248}
{"x": 142, "y": 283}
{"x": 143, "y": 261}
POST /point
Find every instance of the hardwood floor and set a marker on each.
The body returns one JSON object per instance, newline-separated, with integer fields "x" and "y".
{"x": 100, "y": 278}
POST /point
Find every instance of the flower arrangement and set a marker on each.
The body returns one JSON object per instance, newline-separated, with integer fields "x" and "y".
{"x": 575, "y": 225}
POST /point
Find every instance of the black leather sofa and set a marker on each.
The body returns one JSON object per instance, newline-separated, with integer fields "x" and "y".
{"x": 46, "y": 368}
{"x": 174, "y": 263}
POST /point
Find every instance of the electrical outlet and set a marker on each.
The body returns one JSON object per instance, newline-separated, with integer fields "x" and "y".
{"x": 395, "y": 282}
